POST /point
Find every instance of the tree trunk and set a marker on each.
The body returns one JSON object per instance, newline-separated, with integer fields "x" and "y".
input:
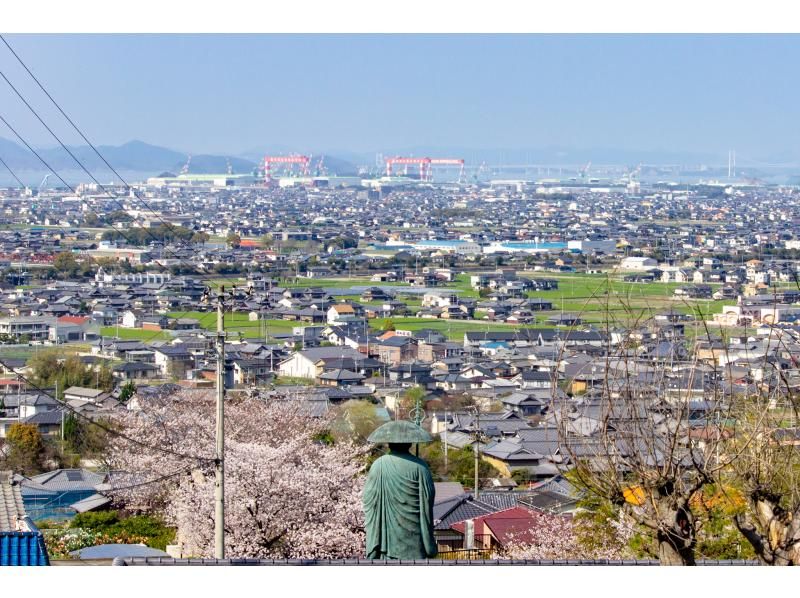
{"x": 671, "y": 555}
{"x": 775, "y": 537}
{"x": 676, "y": 535}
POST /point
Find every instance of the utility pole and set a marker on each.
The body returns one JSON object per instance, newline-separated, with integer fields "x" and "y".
{"x": 219, "y": 455}
{"x": 62, "y": 419}
{"x": 446, "y": 418}
{"x": 477, "y": 448}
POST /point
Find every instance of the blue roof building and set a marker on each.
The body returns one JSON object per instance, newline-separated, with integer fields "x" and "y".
{"x": 21, "y": 543}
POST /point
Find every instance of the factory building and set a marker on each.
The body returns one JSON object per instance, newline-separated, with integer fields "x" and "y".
{"x": 445, "y": 246}
{"x": 608, "y": 246}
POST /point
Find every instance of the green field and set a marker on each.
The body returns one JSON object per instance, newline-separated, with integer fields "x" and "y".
{"x": 336, "y": 283}
{"x": 27, "y": 352}
{"x": 454, "y": 329}
{"x": 595, "y": 298}
{"x": 240, "y": 322}
{"x": 135, "y": 334}
{"x": 600, "y": 298}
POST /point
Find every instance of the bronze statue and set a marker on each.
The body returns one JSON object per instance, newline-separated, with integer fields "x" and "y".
{"x": 398, "y": 497}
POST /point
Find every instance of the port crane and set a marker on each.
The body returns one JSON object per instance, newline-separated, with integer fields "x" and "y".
{"x": 425, "y": 165}
{"x": 303, "y": 161}
{"x": 43, "y": 184}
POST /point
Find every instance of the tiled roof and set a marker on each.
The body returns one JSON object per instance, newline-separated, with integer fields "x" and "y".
{"x": 79, "y": 320}
{"x": 457, "y": 509}
{"x": 24, "y": 548}
{"x": 11, "y": 506}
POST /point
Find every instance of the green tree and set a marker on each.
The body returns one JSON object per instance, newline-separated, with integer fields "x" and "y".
{"x": 460, "y": 464}
{"x": 26, "y": 447}
{"x": 85, "y": 438}
{"x": 65, "y": 263}
{"x": 91, "y": 219}
{"x": 408, "y": 401}
{"x": 136, "y": 528}
{"x": 50, "y": 368}
{"x": 355, "y": 420}
{"x": 127, "y": 391}
{"x": 387, "y": 324}
{"x": 200, "y": 238}
{"x": 233, "y": 240}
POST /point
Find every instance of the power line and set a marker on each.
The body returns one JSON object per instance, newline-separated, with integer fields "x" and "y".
{"x": 3, "y": 162}
{"x": 51, "y": 169}
{"x": 78, "y": 130}
{"x": 111, "y": 195}
{"x": 49, "y": 130}
{"x": 35, "y": 153}
{"x": 106, "y": 429}
{"x": 169, "y": 226}
{"x": 148, "y": 482}
{"x": 64, "y": 114}
{"x": 68, "y": 186}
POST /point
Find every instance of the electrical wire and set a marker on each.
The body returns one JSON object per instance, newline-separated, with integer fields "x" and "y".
{"x": 111, "y": 195}
{"x": 128, "y": 187}
{"x": 106, "y": 429}
{"x": 3, "y": 162}
{"x": 162, "y": 478}
{"x": 35, "y": 153}
{"x": 169, "y": 226}
{"x": 72, "y": 189}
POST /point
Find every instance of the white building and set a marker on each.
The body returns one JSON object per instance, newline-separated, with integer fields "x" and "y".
{"x": 303, "y": 363}
{"x": 638, "y": 263}
{"x": 34, "y": 327}
{"x": 587, "y": 246}
{"x": 448, "y": 246}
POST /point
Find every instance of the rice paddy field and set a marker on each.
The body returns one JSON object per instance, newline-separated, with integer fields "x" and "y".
{"x": 598, "y": 299}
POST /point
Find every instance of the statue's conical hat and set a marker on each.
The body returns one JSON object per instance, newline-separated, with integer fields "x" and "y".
{"x": 399, "y": 432}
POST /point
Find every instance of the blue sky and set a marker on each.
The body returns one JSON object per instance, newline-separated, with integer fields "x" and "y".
{"x": 233, "y": 93}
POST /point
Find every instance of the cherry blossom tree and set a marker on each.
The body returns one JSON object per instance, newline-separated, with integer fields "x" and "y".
{"x": 288, "y": 494}
{"x": 553, "y": 536}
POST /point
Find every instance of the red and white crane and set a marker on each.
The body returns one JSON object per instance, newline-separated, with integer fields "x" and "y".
{"x": 270, "y": 160}
{"x": 451, "y": 162}
{"x": 425, "y": 165}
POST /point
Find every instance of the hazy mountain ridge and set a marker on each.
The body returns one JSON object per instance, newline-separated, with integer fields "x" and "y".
{"x": 148, "y": 159}
{"x": 138, "y": 156}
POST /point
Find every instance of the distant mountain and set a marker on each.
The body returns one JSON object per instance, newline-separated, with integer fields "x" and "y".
{"x": 554, "y": 155}
{"x": 140, "y": 159}
{"x": 205, "y": 164}
{"x": 338, "y": 163}
{"x": 134, "y": 156}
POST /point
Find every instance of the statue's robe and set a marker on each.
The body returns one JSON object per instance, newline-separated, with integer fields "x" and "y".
{"x": 398, "y": 507}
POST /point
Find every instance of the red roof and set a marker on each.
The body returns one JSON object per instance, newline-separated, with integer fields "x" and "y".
{"x": 249, "y": 243}
{"x": 79, "y": 320}
{"x": 516, "y": 523}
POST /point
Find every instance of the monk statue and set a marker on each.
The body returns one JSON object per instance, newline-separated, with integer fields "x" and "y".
{"x": 398, "y": 497}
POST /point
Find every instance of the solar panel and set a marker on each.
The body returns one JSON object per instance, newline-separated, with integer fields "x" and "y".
{"x": 74, "y": 476}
